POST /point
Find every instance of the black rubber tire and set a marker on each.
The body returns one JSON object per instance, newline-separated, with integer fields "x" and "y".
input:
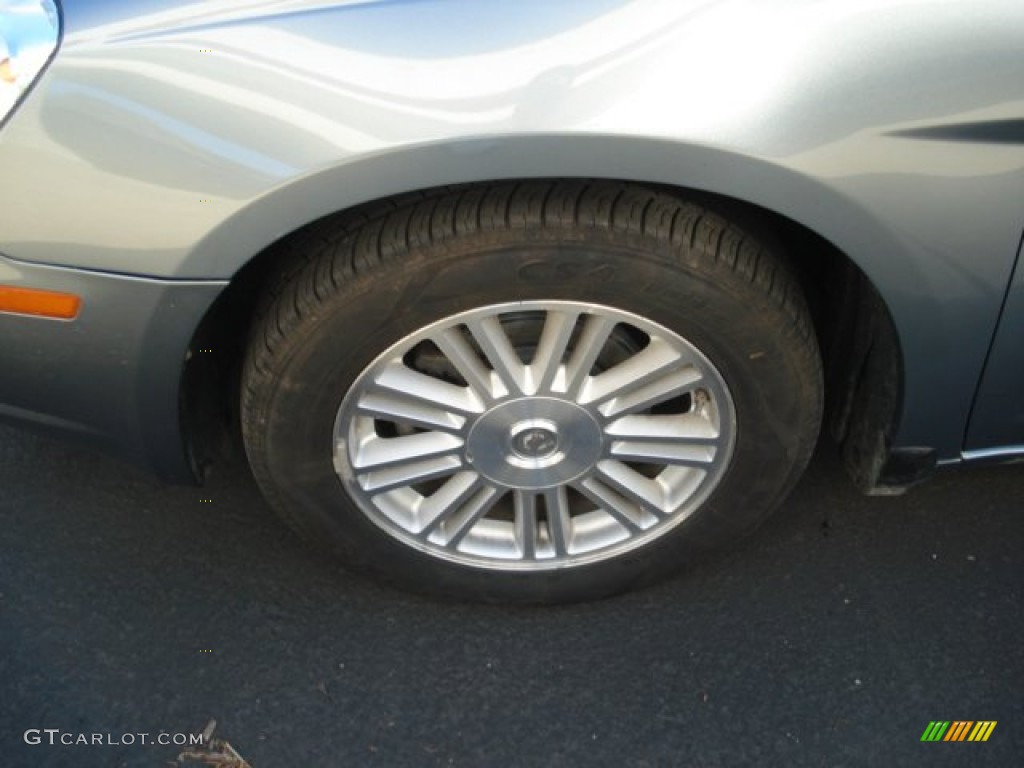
{"x": 359, "y": 284}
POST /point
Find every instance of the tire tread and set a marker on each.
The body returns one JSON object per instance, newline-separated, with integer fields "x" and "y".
{"x": 340, "y": 251}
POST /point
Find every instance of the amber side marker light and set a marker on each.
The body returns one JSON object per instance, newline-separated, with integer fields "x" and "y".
{"x": 31, "y": 301}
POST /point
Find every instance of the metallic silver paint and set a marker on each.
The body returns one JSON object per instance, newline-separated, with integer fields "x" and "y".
{"x": 175, "y": 140}
{"x": 997, "y": 421}
{"x": 1001, "y": 453}
{"x": 111, "y": 375}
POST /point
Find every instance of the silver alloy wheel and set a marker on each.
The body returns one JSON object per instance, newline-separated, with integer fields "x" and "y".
{"x": 534, "y": 435}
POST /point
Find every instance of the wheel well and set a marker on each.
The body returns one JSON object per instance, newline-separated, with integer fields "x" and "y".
{"x": 859, "y": 345}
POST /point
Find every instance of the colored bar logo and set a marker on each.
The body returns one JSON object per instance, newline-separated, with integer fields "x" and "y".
{"x": 958, "y": 730}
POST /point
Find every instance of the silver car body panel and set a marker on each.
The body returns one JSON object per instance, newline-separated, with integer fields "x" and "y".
{"x": 176, "y": 140}
{"x": 997, "y": 422}
{"x": 111, "y": 375}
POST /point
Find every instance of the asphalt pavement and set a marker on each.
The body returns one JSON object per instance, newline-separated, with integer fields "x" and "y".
{"x": 833, "y": 636}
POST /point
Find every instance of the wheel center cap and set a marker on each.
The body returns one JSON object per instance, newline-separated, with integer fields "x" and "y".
{"x": 534, "y": 442}
{"x": 534, "y": 438}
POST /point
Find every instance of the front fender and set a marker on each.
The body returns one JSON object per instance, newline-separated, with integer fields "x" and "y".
{"x": 177, "y": 140}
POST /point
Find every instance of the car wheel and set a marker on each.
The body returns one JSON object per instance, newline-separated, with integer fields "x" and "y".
{"x": 536, "y": 392}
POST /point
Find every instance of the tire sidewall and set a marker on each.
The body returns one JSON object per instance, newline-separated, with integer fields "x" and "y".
{"x": 727, "y": 318}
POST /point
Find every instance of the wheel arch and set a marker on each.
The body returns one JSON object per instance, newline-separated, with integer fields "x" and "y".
{"x": 695, "y": 168}
{"x": 849, "y": 307}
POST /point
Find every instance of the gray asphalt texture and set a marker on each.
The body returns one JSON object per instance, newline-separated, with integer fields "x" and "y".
{"x": 831, "y": 637}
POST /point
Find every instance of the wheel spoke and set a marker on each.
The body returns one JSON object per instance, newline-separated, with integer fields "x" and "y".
{"x": 391, "y": 406}
{"x": 526, "y": 523}
{"x": 651, "y": 376}
{"x": 627, "y": 513}
{"x": 447, "y": 500}
{"x": 494, "y": 342}
{"x": 643, "y": 491}
{"x": 410, "y": 473}
{"x": 663, "y": 452}
{"x": 593, "y": 337}
{"x": 556, "y": 507}
{"x": 377, "y": 452}
{"x": 462, "y": 519}
{"x": 454, "y": 346}
{"x": 682, "y": 439}
{"x": 660, "y": 387}
{"x": 554, "y": 340}
{"x": 684, "y": 427}
{"x": 398, "y": 378}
